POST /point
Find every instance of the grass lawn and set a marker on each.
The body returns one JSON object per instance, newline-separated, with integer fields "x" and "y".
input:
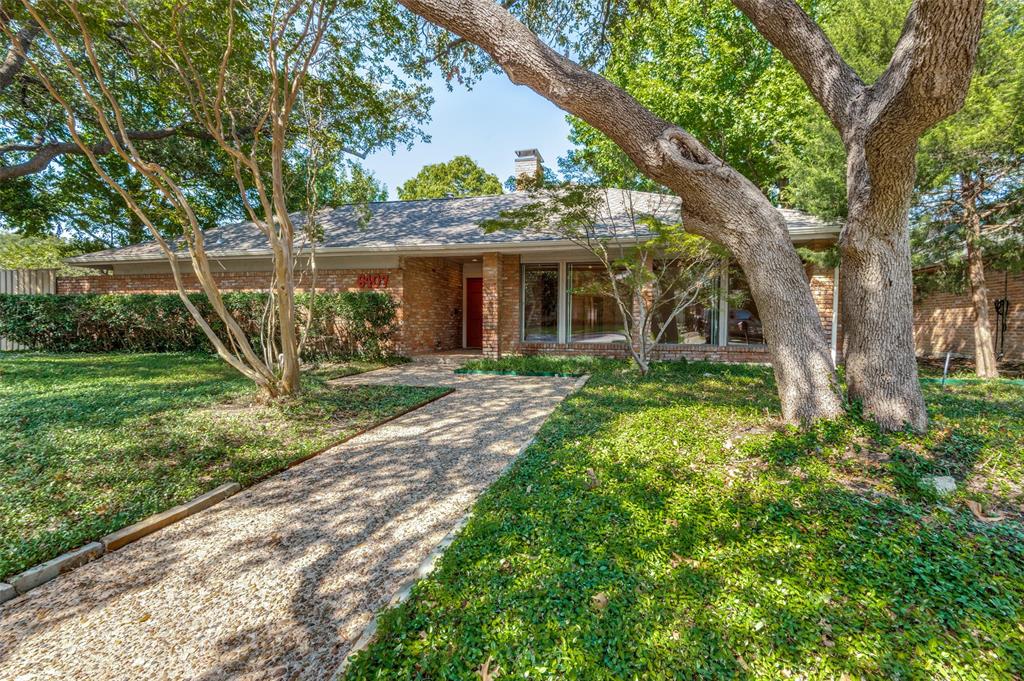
{"x": 670, "y": 528}
{"x": 537, "y": 365}
{"x": 92, "y": 443}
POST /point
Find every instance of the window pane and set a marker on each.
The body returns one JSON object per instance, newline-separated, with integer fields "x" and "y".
{"x": 744, "y": 321}
{"x": 594, "y": 316}
{"x": 540, "y": 303}
{"x": 697, "y": 323}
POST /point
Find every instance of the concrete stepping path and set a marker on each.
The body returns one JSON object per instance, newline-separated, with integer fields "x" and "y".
{"x": 278, "y": 581}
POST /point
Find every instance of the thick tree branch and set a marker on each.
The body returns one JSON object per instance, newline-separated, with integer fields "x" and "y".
{"x": 15, "y": 59}
{"x": 661, "y": 150}
{"x": 929, "y": 73}
{"x": 45, "y": 153}
{"x": 830, "y": 79}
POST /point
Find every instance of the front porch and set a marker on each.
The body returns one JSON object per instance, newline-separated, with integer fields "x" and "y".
{"x": 457, "y": 303}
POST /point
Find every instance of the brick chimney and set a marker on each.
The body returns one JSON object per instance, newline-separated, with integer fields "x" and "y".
{"x": 528, "y": 167}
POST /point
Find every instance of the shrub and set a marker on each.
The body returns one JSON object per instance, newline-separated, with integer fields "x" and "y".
{"x": 345, "y": 324}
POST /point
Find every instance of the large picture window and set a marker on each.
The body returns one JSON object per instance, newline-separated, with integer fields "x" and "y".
{"x": 593, "y": 316}
{"x": 540, "y": 303}
{"x": 744, "y": 321}
{"x": 696, "y": 324}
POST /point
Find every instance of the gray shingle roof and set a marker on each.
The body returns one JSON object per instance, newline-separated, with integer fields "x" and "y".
{"x": 409, "y": 225}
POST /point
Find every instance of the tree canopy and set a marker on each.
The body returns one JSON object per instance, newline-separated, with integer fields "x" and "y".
{"x": 362, "y": 95}
{"x": 461, "y": 176}
{"x": 37, "y": 252}
{"x": 702, "y": 65}
{"x": 982, "y": 146}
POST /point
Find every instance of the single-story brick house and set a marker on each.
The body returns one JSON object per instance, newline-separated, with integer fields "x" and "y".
{"x": 460, "y": 287}
{"x": 510, "y": 292}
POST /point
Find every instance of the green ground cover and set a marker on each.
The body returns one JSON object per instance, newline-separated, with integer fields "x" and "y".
{"x": 671, "y": 528}
{"x": 92, "y": 443}
{"x": 538, "y": 365}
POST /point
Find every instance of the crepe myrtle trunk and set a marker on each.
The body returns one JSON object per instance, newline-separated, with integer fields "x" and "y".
{"x": 877, "y": 288}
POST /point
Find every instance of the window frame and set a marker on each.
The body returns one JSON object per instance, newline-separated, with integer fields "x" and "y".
{"x": 564, "y": 304}
{"x": 590, "y": 265}
{"x": 559, "y": 313}
{"x": 723, "y": 331}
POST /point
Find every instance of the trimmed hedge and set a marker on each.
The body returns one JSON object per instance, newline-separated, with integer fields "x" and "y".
{"x": 345, "y": 324}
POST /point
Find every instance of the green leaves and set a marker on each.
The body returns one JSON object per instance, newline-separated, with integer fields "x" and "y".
{"x": 718, "y": 545}
{"x": 361, "y": 95}
{"x": 459, "y": 177}
{"x": 702, "y": 66}
{"x": 347, "y": 323}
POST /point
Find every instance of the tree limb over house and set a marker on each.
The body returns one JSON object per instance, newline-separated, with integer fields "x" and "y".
{"x": 926, "y": 81}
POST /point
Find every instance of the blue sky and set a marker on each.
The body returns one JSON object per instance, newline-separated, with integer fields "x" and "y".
{"x": 487, "y": 123}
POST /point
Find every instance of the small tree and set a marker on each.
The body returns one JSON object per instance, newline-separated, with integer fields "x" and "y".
{"x": 239, "y": 71}
{"x": 461, "y": 176}
{"x": 652, "y": 269}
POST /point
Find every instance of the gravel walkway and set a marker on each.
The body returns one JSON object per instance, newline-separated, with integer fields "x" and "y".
{"x": 278, "y": 581}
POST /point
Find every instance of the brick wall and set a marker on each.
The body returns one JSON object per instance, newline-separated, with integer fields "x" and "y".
{"x": 493, "y": 305}
{"x": 944, "y": 322}
{"x": 511, "y": 291}
{"x": 822, "y": 281}
{"x": 433, "y": 305}
{"x": 327, "y": 280}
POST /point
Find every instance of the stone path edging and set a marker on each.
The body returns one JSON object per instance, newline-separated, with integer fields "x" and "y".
{"x": 28, "y": 579}
{"x": 369, "y": 632}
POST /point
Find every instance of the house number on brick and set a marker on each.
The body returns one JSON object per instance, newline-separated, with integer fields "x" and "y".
{"x": 372, "y": 281}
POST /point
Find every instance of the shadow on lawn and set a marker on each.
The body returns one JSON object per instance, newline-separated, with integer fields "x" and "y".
{"x": 716, "y": 562}
{"x": 300, "y": 561}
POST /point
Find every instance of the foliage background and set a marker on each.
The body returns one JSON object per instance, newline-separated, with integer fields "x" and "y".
{"x": 345, "y": 324}
{"x": 459, "y": 177}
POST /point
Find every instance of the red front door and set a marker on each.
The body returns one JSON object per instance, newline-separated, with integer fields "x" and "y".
{"x": 474, "y": 312}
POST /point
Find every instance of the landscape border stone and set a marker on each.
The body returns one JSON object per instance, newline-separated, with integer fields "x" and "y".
{"x": 127, "y": 535}
{"x": 7, "y": 592}
{"x": 65, "y": 562}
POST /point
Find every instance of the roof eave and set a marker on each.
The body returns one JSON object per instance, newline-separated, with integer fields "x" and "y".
{"x": 824, "y": 232}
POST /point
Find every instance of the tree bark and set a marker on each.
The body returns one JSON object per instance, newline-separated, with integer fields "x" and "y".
{"x": 719, "y": 203}
{"x": 15, "y": 58}
{"x": 926, "y": 81}
{"x": 984, "y": 345}
{"x": 799, "y": 348}
{"x": 878, "y": 298}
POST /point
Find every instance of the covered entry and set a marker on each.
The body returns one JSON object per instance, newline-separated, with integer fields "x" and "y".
{"x": 474, "y": 312}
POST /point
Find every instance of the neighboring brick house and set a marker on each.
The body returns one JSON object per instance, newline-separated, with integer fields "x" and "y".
{"x": 944, "y": 322}
{"x": 459, "y": 287}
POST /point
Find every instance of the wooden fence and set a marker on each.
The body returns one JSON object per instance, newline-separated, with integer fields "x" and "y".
{"x": 25, "y": 282}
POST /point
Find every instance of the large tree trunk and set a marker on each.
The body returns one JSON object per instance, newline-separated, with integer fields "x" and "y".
{"x": 926, "y": 81}
{"x": 800, "y": 352}
{"x": 877, "y": 288}
{"x": 984, "y": 346}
